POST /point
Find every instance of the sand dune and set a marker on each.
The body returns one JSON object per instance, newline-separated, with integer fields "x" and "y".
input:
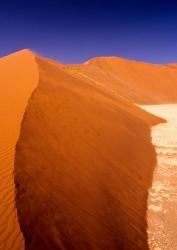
{"x": 84, "y": 163}
{"x": 18, "y": 78}
{"x": 84, "y": 160}
{"x": 138, "y": 82}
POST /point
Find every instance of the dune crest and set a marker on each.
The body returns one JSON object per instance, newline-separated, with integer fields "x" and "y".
{"x": 137, "y": 82}
{"x": 18, "y": 78}
{"x": 81, "y": 180}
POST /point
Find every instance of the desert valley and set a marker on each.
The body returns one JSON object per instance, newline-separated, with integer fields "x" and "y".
{"x": 88, "y": 154}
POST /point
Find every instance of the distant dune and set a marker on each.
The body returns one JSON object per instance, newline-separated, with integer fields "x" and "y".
{"x": 84, "y": 159}
{"x": 135, "y": 81}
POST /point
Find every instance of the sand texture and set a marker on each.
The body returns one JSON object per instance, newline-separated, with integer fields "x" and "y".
{"x": 84, "y": 163}
{"x": 18, "y": 78}
{"x": 135, "y": 81}
{"x": 162, "y": 203}
{"x": 80, "y": 153}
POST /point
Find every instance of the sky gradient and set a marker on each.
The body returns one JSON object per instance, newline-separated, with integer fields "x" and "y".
{"x": 74, "y": 31}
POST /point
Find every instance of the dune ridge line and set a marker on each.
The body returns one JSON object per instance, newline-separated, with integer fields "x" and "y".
{"x": 18, "y": 77}
{"x": 78, "y": 171}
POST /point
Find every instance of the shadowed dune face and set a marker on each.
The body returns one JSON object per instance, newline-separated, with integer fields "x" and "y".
{"x": 84, "y": 163}
{"x": 18, "y": 78}
{"x": 138, "y": 82}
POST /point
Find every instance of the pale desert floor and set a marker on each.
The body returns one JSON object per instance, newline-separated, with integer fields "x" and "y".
{"x": 162, "y": 204}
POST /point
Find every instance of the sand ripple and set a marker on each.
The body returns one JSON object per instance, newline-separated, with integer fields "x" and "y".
{"x": 18, "y": 77}
{"x": 8, "y": 215}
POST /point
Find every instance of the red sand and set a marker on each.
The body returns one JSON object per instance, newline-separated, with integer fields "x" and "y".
{"x": 138, "y": 82}
{"x": 18, "y": 77}
{"x": 84, "y": 159}
{"x": 84, "y": 163}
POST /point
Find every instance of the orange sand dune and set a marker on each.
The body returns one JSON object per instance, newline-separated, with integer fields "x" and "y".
{"x": 138, "y": 82}
{"x": 84, "y": 163}
{"x": 18, "y": 78}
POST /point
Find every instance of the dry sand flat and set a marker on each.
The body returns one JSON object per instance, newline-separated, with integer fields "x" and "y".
{"x": 81, "y": 181}
{"x": 18, "y": 78}
{"x": 162, "y": 207}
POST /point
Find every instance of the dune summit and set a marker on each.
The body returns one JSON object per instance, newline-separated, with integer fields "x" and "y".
{"x": 136, "y": 81}
{"x": 81, "y": 179}
{"x": 84, "y": 159}
{"x": 18, "y": 78}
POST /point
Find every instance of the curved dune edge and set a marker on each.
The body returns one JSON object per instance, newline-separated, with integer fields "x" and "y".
{"x": 83, "y": 166}
{"x": 18, "y": 77}
{"x": 137, "y": 82}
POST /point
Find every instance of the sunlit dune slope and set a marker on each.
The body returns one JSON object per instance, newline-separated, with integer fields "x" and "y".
{"x": 18, "y": 78}
{"x": 136, "y": 81}
{"x": 84, "y": 163}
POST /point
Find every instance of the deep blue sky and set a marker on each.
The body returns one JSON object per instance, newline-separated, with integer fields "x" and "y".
{"x": 74, "y": 31}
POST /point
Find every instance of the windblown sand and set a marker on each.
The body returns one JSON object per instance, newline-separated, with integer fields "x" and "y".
{"x": 81, "y": 180}
{"x": 84, "y": 160}
{"x": 134, "y": 81}
{"x": 18, "y": 78}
